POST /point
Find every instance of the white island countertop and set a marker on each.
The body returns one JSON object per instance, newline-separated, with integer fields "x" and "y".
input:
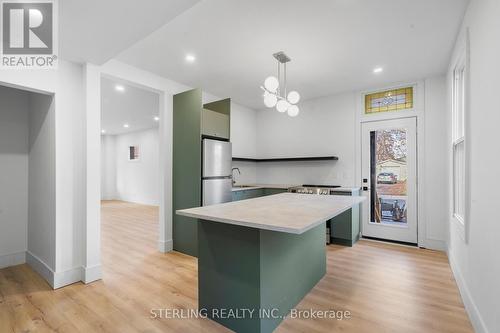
{"x": 285, "y": 212}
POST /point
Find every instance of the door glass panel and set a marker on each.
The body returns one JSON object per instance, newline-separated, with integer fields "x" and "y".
{"x": 389, "y": 171}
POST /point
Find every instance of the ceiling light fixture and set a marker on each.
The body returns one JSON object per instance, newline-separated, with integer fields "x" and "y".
{"x": 377, "y": 70}
{"x": 156, "y": 118}
{"x": 190, "y": 58}
{"x": 126, "y": 125}
{"x": 119, "y": 88}
{"x": 276, "y": 96}
{"x": 103, "y": 131}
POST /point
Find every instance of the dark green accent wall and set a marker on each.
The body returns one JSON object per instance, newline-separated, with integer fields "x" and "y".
{"x": 187, "y": 108}
{"x": 247, "y": 268}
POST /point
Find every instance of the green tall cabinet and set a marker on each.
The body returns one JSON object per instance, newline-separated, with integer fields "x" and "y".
{"x": 191, "y": 121}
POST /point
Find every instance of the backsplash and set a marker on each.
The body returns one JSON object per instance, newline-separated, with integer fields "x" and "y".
{"x": 327, "y": 172}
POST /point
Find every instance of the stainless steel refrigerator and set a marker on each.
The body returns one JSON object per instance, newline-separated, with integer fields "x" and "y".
{"x": 216, "y": 172}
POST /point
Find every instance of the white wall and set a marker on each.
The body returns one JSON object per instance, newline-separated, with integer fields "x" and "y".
{"x": 65, "y": 263}
{"x": 108, "y": 167}
{"x": 325, "y": 126}
{"x": 27, "y": 154}
{"x": 166, "y": 88}
{"x": 134, "y": 181}
{"x": 244, "y": 140}
{"x": 475, "y": 263}
{"x": 42, "y": 181}
{"x": 243, "y": 131}
{"x": 14, "y": 148}
{"x": 435, "y": 171}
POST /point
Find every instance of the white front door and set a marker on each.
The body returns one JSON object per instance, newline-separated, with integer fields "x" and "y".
{"x": 389, "y": 172}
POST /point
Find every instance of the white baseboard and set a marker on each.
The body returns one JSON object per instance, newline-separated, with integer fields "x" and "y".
{"x": 40, "y": 267}
{"x": 12, "y": 259}
{"x": 470, "y": 306}
{"x": 434, "y": 244}
{"x": 166, "y": 246}
{"x": 65, "y": 278}
{"x": 91, "y": 274}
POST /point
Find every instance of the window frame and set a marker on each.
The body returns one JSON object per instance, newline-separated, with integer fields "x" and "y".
{"x": 407, "y": 105}
{"x": 460, "y": 101}
{"x": 415, "y": 111}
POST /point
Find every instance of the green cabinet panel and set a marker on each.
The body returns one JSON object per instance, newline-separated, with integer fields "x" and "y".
{"x": 271, "y": 191}
{"x": 188, "y": 118}
{"x": 248, "y": 268}
{"x": 344, "y": 228}
{"x": 215, "y": 120}
{"x": 248, "y": 194}
{"x": 186, "y": 160}
{"x": 215, "y": 124}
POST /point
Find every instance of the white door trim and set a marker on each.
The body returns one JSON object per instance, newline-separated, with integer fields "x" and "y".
{"x": 419, "y": 112}
{"x": 403, "y": 233}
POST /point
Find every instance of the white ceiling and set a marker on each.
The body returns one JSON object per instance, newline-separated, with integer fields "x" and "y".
{"x": 334, "y": 44}
{"x": 134, "y": 106}
{"x": 95, "y": 30}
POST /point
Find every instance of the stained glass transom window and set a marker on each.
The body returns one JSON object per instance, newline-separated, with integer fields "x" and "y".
{"x": 389, "y": 100}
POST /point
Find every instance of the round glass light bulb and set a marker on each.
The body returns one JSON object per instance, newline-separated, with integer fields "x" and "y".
{"x": 293, "y": 110}
{"x": 271, "y": 84}
{"x": 282, "y": 105}
{"x": 293, "y": 97}
{"x": 270, "y": 100}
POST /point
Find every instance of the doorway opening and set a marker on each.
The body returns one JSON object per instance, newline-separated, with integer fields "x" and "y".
{"x": 27, "y": 180}
{"x": 389, "y": 169}
{"x": 130, "y": 176}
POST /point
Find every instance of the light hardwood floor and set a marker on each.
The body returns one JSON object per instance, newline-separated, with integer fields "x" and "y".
{"x": 387, "y": 288}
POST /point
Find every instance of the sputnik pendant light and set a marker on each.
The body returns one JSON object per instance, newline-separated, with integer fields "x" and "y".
{"x": 275, "y": 89}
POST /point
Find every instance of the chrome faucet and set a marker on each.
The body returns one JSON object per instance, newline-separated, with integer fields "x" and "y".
{"x": 239, "y": 172}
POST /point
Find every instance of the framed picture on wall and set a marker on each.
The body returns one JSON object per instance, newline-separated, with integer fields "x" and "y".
{"x": 133, "y": 153}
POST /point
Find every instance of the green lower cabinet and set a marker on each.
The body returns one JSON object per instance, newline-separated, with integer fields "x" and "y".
{"x": 263, "y": 272}
{"x": 271, "y": 191}
{"x": 344, "y": 228}
{"x": 255, "y": 193}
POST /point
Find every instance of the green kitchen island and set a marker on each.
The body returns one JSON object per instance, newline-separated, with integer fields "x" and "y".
{"x": 258, "y": 258}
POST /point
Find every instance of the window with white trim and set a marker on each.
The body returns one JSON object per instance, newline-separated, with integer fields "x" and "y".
{"x": 459, "y": 95}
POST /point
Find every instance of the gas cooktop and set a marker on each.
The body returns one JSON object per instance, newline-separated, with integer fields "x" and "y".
{"x": 313, "y": 189}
